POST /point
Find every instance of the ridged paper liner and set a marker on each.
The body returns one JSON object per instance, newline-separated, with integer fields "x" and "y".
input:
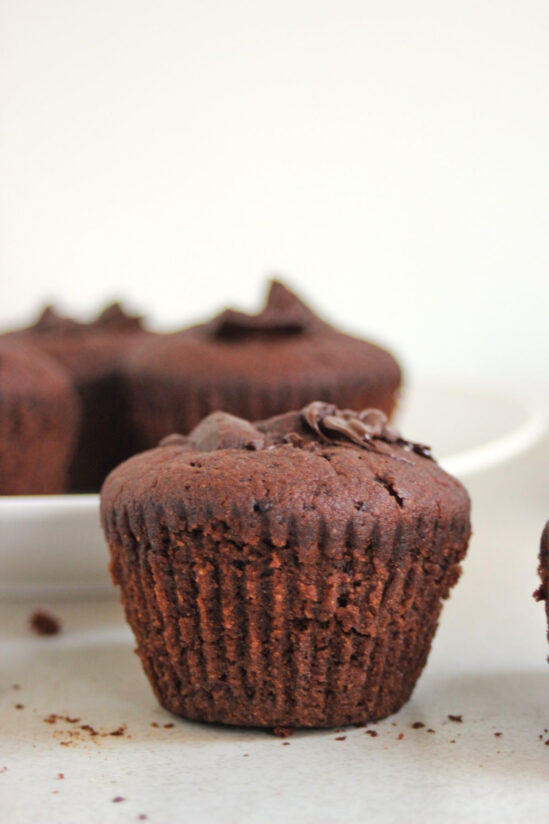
{"x": 267, "y": 635}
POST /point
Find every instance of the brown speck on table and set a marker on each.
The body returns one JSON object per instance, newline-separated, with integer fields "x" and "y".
{"x": 430, "y": 730}
{"x": 547, "y": 743}
{"x": 169, "y": 726}
{"x": 44, "y": 623}
{"x": 498, "y": 734}
{"x": 400, "y": 736}
{"x": 19, "y": 706}
{"x": 453, "y": 741}
{"x": 16, "y": 686}
{"x": 371, "y": 733}
{"x": 154, "y": 724}
{"x": 340, "y": 738}
{"x": 457, "y": 719}
{"x": 418, "y": 725}
{"x": 286, "y": 743}
{"x": 119, "y": 731}
{"x": 245, "y": 755}
{"x": 142, "y": 817}
{"x": 60, "y": 775}
{"x": 118, "y": 798}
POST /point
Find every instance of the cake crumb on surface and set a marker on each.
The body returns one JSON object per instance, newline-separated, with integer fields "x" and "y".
{"x": 44, "y": 623}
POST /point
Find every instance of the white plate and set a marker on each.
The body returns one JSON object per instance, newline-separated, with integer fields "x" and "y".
{"x": 54, "y": 542}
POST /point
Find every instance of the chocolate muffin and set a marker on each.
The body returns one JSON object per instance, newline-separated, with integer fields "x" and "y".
{"x": 542, "y": 594}
{"x": 39, "y": 417}
{"x": 91, "y": 353}
{"x": 254, "y": 366}
{"x": 288, "y": 573}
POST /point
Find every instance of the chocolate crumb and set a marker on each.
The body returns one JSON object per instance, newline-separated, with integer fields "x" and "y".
{"x": 119, "y": 731}
{"x": 547, "y": 743}
{"x": 44, "y": 623}
{"x": 168, "y": 726}
{"x": 286, "y": 743}
{"x": 371, "y": 733}
{"x": 19, "y": 706}
{"x": 430, "y": 730}
{"x": 418, "y": 725}
{"x": 498, "y": 734}
{"x": 118, "y": 798}
{"x": 283, "y": 732}
{"x": 453, "y": 741}
{"x": 458, "y": 719}
{"x": 154, "y": 724}
{"x": 51, "y": 719}
{"x": 340, "y": 738}
{"x": 88, "y": 728}
{"x": 71, "y": 720}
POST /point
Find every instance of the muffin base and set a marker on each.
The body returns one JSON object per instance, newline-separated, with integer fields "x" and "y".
{"x": 281, "y": 636}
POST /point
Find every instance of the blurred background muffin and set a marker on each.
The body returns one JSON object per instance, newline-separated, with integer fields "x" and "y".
{"x": 91, "y": 355}
{"x": 254, "y": 366}
{"x": 39, "y": 418}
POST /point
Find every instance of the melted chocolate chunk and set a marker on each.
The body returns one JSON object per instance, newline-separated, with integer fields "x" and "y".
{"x": 284, "y": 314}
{"x": 51, "y": 321}
{"x": 223, "y": 431}
{"x": 114, "y": 317}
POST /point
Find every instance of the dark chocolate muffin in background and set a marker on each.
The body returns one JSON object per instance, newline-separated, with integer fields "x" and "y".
{"x": 542, "y": 593}
{"x": 254, "y": 366}
{"x": 39, "y": 419}
{"x": 287, "y": 573}
{"x": 91, "y": 353}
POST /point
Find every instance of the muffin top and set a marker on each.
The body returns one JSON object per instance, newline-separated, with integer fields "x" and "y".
{"x": 85, "y": 349}
{"x": 313, "y": 474}
{"x": 285, "y": 341}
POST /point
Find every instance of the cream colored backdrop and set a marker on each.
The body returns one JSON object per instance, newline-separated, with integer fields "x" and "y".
{"x": 389, "y": 158}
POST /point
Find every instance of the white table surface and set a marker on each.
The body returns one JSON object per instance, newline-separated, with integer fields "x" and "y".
{"x": 488, "y": 664}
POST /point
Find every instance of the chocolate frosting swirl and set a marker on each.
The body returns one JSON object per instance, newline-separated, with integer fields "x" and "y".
{"x": 284, "y": 313}
{"x": 316, "y": 422}
{"x": 362, "y": 428}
